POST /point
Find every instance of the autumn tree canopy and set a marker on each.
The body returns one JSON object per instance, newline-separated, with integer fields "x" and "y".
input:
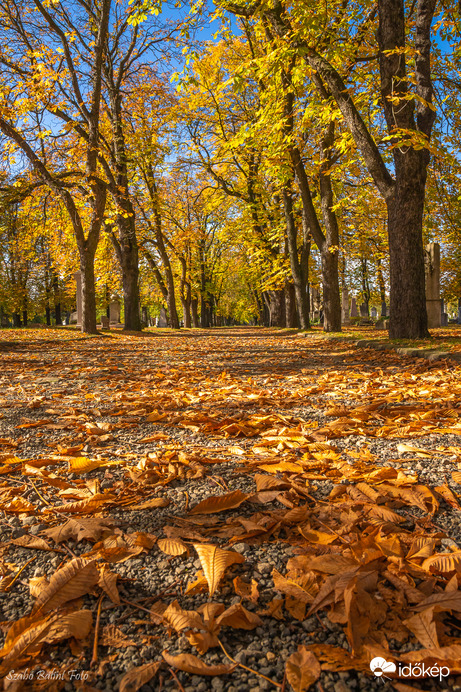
{"x": 234, "y": 163}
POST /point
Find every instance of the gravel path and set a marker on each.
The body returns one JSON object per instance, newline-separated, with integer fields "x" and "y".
{"x": 171, "y": 420}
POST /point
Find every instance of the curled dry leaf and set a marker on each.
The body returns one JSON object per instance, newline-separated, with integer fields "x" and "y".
{"x": 247, "y": 591}
{"x": 181, "y": 619}
{"x": 149, "y": 504}
{"x": 239, "y": 617}
{"x": 75, "y": 579}
{"x": 215, "y": 561}
{"x": 202, "y": 641}
{"x": 443, "y": 563}
{"x": 87, "y": 506}
{"x": 80, "y": 528}
{"x": 302, "y": 669}
{"x": 108, "y": 582}
{"x": 137, "y": 677}
{"x": 27, "y": 636}
{"x": 191, "y": 664}
{"x": 220, "y": 503}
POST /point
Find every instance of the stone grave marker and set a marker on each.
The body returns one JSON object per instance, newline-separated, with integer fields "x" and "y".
{"x": 354, "y": 311}
{"x": 433, "y": 302}
{"x": 162, "y": 319}
{"x": 345, "y": 319}
{"x": 114, "y": 309}
{"x": 79, "y": 299}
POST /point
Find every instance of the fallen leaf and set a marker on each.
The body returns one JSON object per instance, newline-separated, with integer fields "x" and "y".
{"x": 214, "y": 562}
{"x": 191, "y": 664}
{"x": 135, "y": 678}
{"x": 302, "y": 669}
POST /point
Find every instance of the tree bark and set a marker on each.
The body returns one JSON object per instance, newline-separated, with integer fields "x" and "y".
{"x": 88, "y": 293}
{"x": 194, "y": 308}
{"x": 296, "y": 271}
{"x": 408, "y": 317}
{"x": 291, "y": 311}
{"x": 277, "y": 308}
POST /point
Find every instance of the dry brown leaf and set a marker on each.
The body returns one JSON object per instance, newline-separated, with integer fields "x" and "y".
{"x": 302, "y": 669}
{"x": 303, "y": 589}
{"x": 181, "y": 619}
{"x": 443, "y": 563}
{"x": 37, "y": 585}
{"x": 424, "y": 628}
{"x": 149, "y": 504}
{"x": 202, "y": 641}
{"x": 191, "y": 664}
{"x": 246, "y": 591}
{"x": 215, "y": 561}
{"x": 113, "y": 636}
{"x": 172, "y": 546}
{"x": 85, "y": 465}
{"x": 80, "y": 528}
{"x": 239, "y": 617}
{"x": 135, "y": 678}
{"x": 87, "y": 506}
{"x": 220, "y": 503}
{"x": 108, "y": 583}
{"x": 76, "y": 578}
{"x": 27, "y": 636}
{"x": 34, "y": 542}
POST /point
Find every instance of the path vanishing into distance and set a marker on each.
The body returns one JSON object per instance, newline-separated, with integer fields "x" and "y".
{"x": 231, "y": 509}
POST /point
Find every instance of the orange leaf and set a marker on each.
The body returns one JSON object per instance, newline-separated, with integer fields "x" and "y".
{"x": 215, "y": 561}
{"x": 220, "y": 503}
{"x": 191, "y": 664}
{"x": 302, "y": 669}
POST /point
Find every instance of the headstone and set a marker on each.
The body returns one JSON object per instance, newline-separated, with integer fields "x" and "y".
{"x": 73, "y": 318}
{"x": 354, "y": 311}
{"x": 315, "y": 303}
{"x": 374, "y": 313}
{"x": 363, "y": 310}
{"x": 105, "y": 324}
{"x": 433, "y": 302}
{"x": 444, "y": 319}
{"x": 459, "y": 310}
{"x": 162, "y": 319}
{"x": 114, "y": 309}
{"x": 383, "y": 309}
{"x": 345, "y": 319}
{"x": 145, "y": 316}
{"x": 78, "y": 281}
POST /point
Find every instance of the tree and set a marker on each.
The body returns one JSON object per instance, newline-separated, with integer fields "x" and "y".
{"x": 36, "y": 53}
{"x": 404, "y": 52}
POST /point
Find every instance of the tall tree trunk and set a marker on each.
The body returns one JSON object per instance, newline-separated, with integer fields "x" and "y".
{"x": 330, "y": 248}
{"x": 194, "y": 308}
{"x": 296, "y": 270}
{"x": 88, "y": 293}
{"x": 304, "y": 260}
{"x": 185, "y": 294}
{"x": 277, "y": 308}
{"x": 406, "y": 252}
{"x": 129, "y": 262}
{"x": 291, "y": 312}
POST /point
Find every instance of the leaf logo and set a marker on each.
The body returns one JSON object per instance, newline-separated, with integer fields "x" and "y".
{"x": 379, "y": 666}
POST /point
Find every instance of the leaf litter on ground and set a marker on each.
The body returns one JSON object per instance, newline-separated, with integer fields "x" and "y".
{"x": 297, "y": 426}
